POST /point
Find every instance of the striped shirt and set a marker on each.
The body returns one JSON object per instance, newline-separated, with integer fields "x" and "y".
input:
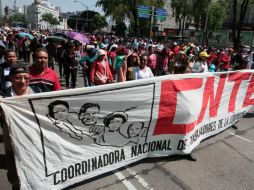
{"x": 47, "y": 81}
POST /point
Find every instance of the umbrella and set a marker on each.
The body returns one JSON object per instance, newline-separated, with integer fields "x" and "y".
{"x": 79, "y": 37}
{"x": 61, "y": 35}
{"x": 23, "y": 34}
{"x": 56, "y": 39}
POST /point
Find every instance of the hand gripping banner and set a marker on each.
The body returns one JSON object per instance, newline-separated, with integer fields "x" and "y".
{"x": 62, "y": 138}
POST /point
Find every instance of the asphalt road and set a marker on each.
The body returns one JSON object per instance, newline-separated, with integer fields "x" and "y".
{"x": 224, "y": 162}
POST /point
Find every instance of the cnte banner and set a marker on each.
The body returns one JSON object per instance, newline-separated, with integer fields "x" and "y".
{"x": 62, "y": 138}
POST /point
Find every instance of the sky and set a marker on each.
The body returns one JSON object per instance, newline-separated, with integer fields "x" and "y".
{"x": 66, "y": 5}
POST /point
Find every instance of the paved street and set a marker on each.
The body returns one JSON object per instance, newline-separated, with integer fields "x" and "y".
{"x": 224, "y": 162}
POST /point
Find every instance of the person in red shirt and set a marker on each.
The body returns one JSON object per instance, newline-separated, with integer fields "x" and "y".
{"x": 100, "y": 72}
{"x": 224, "y": 60}
{"x": 41, "y": 76}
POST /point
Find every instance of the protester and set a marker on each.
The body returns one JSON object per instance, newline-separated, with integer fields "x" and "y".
{"x": 52, "y": 53}
{"x": 151, "y": 59}
{"x": 19, "y": 77}
{"x": 11, "y": 59}
{"x": 86, "y": 63}
{"x": 41, "y": 75}
{"x": 133, "y": 61}
{"x": 120, "y": 65}
{"x": 224, "y": 61}
{"x": 100, "y": 72}
{"x": 70, "y": 65}
{"x": 201, "y": 65}
{"x": 142, "y": 71}
{"x": 60, "y": 58}
{"x": 162, "y": 61}
{"x": 26, "y": 49}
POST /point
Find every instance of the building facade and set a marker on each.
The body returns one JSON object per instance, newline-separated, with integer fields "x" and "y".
{"x": 35, "y": 11}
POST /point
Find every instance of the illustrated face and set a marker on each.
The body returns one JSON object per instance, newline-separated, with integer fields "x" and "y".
{"x": 115, "y": 124}
{"x": 90, "y": 116}
{"x": 134, "y": 130}
{"x": 60, "y": 112}
{"x": 20, "y": 82}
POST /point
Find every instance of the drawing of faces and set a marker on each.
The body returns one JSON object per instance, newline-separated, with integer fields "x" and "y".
{"x": 88, "y": 114}
{"x": 115, "y": 120}
{"x": 135, "y": 129}
{"x": 59, "y": 110}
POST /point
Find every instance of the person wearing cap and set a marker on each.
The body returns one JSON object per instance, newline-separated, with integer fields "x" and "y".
{"x": 100, "y": 72}
{"x": 19, "y": 77}
{"x": 201, "y": 65}
{"x": 41, "y": 75}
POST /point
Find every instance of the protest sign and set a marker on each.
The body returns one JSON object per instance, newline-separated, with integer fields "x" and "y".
{"x": 62, "y": 138}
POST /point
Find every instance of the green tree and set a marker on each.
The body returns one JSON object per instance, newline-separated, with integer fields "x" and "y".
{"x": 17, "y": 17}
{"x": 199, "y": 13}
{"x": 119, "y": 10}
{"x": 182, "y": 11}
{"x": 49, "y": 18}
{"x": 120, "y": 28}
{"x": 98, "y": 22}
{"x": 217, "y": 14}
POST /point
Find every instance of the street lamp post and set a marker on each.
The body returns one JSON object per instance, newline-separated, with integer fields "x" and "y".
{"x": 85, "y": 7}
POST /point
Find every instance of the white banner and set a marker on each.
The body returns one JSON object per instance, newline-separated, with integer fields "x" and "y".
{"x": 64, "y": 137}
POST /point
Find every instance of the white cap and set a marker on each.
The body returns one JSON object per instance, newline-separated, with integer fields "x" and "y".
{"x": 101, "y": 52}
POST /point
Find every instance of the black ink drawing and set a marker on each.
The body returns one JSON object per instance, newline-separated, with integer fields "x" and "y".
{"x": 105, "y": 131}
{"x": 58, "y": 112}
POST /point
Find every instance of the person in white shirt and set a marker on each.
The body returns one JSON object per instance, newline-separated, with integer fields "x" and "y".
{"x": 143, "y": 71}
{"x": 201, "y": 65}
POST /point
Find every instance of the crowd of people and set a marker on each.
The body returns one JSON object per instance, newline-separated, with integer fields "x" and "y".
{"x": 109, "y": 59}
{"x": 27, "y": 65}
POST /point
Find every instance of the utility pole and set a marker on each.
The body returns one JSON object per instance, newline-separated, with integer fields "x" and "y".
{"x": 86, "y": 18}
{"x": 151, "y": 25}
{"x": 76, "y": 23}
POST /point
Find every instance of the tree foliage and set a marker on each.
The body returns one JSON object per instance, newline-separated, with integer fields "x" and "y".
{"x": 17, "y": 17}
{"x": 119, "y": 10}
{"x": 182, "y": 11}
{"x": 217, "y": 14}
{"x": 50, "y": 19}
{"x": 84, "y": 21}
{"x": 120, "y": 28}
{"x": 199, "y": 13}
{"x": 98, "y": 22}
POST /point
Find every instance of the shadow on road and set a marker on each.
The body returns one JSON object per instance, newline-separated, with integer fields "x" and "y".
{"x": 1, "y": 139}
{"x": 154, "y": 160}
{"x": 248, "y": 115}
{"x": 3, "y": 162}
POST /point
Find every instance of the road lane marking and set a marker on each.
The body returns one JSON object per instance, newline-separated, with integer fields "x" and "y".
{"x": 123, "y": 179}
{"x": 240, "y": 137}
{"x": 140, "y": 179}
